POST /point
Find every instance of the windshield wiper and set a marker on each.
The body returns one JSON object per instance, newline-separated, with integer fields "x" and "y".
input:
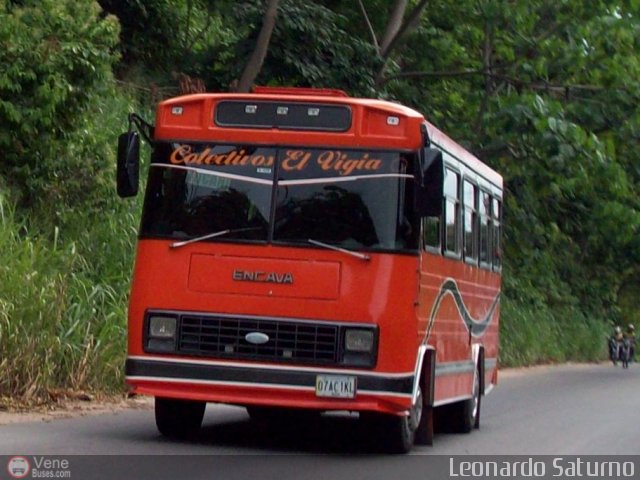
{"x": 211, "y": 235}
{"x": 361, "y": 256}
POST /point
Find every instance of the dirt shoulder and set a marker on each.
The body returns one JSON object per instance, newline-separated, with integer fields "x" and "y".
{"x": 68, "y": 407}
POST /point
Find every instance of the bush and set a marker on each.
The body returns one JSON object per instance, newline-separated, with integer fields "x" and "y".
{"x": 63, "y": 304}
{"x": 530, "y": 336}
{"x": 55, "y": 58}
{"x": 67, "y": 242}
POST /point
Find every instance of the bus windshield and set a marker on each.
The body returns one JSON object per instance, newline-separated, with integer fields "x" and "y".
{"x": 350, "y": 199}
{"x": 353, "y": 199}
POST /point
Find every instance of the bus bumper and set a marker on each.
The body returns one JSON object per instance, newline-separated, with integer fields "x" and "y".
{"x": 265, "y": 384}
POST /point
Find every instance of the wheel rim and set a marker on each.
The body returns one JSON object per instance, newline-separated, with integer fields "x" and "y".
{"x": 476, "y": 395}
{"x": 415, "y": 414}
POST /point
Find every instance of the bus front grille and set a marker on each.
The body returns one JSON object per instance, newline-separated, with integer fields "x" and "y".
{"x": 284, "y": 341}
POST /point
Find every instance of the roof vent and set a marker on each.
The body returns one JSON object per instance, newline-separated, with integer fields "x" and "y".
{"x": 315, "y": 92}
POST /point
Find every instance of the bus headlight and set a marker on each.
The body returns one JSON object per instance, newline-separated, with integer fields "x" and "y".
{"x": 161, "y": 333}
{"x": 162, "y": 327}
{"x": 360, "y": 341}
{"x": 360, "y": 347}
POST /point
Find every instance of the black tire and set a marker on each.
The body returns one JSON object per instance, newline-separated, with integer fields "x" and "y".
{"x": 465, "y": 415}
{"x": 390, "y": 433}
{"x": 476, "y": 423}
{"x": 178, "y": 418}
{"x": 395, "y": 434}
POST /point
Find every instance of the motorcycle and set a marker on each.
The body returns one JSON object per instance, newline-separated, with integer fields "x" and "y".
{"x": 614, "y": 350}
{"x": 621, "y": 350}
{"x": 625, "y": 353}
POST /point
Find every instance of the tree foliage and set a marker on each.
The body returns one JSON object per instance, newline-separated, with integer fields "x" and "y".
{"x": 56, "y": 58}
{"x": 550, "y": 91}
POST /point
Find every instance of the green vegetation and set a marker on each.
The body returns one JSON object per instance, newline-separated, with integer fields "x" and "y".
{"x": 61, "y": 310}
{"x": 546, "y": 92}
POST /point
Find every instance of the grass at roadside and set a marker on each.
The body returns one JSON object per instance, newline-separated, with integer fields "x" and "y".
{"x": 530, "y": 336}
{"x": 62, "y": 305}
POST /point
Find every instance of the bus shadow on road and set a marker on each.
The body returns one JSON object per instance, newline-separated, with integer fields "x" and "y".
{"x": 311, "y": 434}
{"x": 308, "y": 434}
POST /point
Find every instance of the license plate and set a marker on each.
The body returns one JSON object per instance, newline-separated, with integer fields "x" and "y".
{"x": 335, "y": 386}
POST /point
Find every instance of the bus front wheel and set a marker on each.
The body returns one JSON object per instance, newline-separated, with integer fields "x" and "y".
{"x": 396, "y": 434}
{"x": 466, "y": 414}
{"x": 178, "y": 418}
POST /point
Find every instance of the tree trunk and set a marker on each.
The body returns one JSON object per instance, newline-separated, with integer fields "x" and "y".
{"x": 393, "y": 25}
{"x": 372, "y": 32}
{"x": 252, "y": 69}
{"x": 400, "y": 31}
{"x": 487, "y": 50}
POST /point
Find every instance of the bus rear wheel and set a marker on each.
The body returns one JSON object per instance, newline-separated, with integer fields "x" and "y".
{"x": 178, "y": 418}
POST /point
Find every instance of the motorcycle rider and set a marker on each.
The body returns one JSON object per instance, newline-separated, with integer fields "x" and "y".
{"x": 615, "y": 344}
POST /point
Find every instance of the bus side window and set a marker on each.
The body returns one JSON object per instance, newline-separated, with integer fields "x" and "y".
{"x": 470, "y": 239}
{"x": 452, "y": 212}
{"x": 484, "y": 209}
{"x": 496, "y": 212}
{"x": 431, "y": 232}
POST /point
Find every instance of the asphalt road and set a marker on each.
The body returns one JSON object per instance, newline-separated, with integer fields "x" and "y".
{"x": 563, "y": 410}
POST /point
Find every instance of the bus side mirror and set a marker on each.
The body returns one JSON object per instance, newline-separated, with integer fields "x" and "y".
{"x": 128, "y": 171}
{"x": 429, "y": 197}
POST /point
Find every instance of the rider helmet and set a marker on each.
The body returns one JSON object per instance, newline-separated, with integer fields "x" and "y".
{"x": 618, "y": 329}
{"x": 631, "y": 328}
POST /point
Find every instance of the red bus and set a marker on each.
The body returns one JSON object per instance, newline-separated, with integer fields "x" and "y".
{"x": 304, "y": 251}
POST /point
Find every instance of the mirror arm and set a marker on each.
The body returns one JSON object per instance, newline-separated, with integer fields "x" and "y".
{"x": 144, "y": 127}
{"x": 426, "y": 141}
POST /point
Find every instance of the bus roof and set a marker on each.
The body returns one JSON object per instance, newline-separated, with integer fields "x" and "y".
{"x": 372, "y": 123}
{"x": 467, "y": 158}
{"x": 350, "y": 122}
